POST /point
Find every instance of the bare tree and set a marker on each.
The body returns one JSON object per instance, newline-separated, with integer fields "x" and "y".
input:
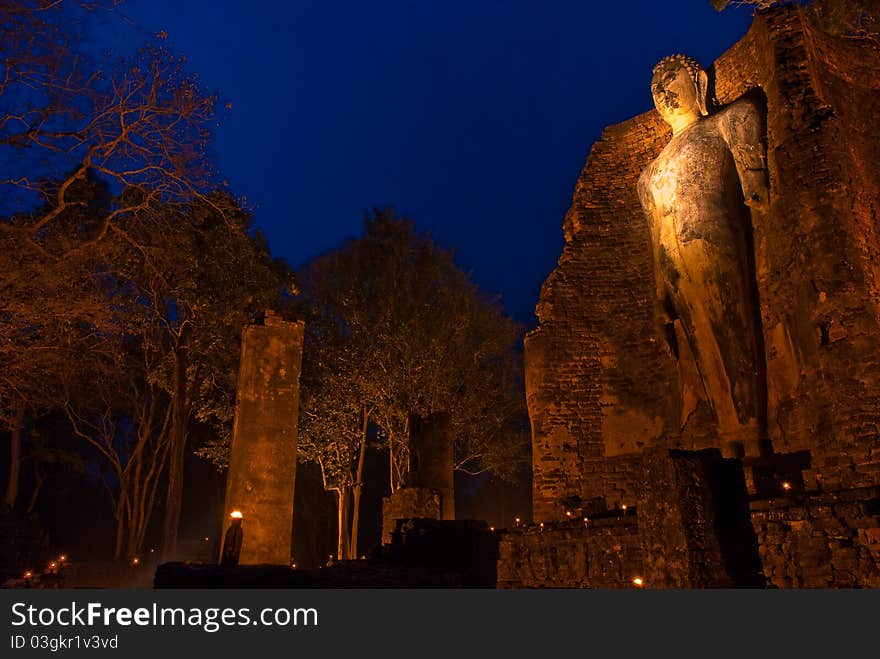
{"x": 142, "y": 124}
{"x": 128, "y": 424}
{"x": 125, "y": 277}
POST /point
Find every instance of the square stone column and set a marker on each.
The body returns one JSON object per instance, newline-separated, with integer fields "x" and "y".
{"x": 262, "y": 463}
{"x": 431, "y": 458}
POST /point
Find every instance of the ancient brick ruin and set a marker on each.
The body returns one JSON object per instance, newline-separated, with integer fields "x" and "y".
{"x": 262, "y": 463}
{"x": 632, "y": 483}
{"x": 429, "y": 491}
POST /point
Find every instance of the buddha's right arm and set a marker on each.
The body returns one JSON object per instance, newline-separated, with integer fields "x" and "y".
{"x": 741, "y": 125}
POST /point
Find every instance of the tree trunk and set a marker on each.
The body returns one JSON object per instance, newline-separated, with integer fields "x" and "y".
{"x": 396, "y": 478}
{"x": 132, "y": 547}
{"x": 342, "y": 517}
{"x": 15, "y": 437}
{"x": 39, "y": 479}
{"x": 355, "y": 519}
{"x": 177, "y": 453}
{"x": 391, "y": 462}
{"x": 120, "y": 529}
{"x": 356, "y": 489}
{"x": 134, "y": 544}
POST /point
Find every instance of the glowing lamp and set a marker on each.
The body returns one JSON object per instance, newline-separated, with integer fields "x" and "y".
{"x": 28, "y": 574}
{"x": 236, "y": 514}
{"x": 53, "y": 565}
{"x": 623, "y": 507}
{"x": 638, "y": 581}
{"x": 786, "y": 486}
{"x": 62, "y": 558}
{"x": 135, "y": 561}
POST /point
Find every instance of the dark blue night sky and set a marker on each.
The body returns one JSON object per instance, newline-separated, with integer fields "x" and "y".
{"x": 473, "y": 118}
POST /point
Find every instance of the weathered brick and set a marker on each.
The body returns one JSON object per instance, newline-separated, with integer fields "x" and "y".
{"x": 597, "y": 352}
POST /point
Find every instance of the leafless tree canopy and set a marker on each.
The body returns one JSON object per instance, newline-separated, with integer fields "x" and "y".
{"x": 141, "y": 124}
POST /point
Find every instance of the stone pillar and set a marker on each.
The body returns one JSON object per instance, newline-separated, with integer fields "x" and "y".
{"x": 262, "y": 463}
{"x": 431, "y": 458}
{"x": 430, "y": 491}
{"x": 676, "y": 515}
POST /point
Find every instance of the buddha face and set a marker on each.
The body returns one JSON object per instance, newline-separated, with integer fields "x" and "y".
{"x": 677, "y": 96}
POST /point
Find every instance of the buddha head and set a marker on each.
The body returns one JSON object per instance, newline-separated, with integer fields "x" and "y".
{"x": 679, "y": 88}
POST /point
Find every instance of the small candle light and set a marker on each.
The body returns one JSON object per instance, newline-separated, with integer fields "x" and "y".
{"x": 586, "y": 521}
{"x": 568, "y": 513}
{"x": 517, "y": 521}
{"x": 542, "y": 525}
{"x": 28, "y": 574}
{"x": 623, "y": 507}
{"x": 492, "y": 528}
{"x": 135, "y": 561}
{"x": 53, "y": 565}
{"x": 786, "y": 486}
{"x": 62, "y": 558}
{"x": 638, "y": 581}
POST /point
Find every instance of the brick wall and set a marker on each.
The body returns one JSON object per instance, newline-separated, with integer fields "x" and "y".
{"x": 600, "y": 387}
{"x": 605, "y": 554}
{"x": 824, "y": 541}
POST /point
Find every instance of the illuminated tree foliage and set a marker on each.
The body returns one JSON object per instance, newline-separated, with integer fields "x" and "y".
{"x": 333, "y": 433}
{"x": 51, "y": 310}
{"x": 394, "y": 328}
{"x": 134, "y": 342}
